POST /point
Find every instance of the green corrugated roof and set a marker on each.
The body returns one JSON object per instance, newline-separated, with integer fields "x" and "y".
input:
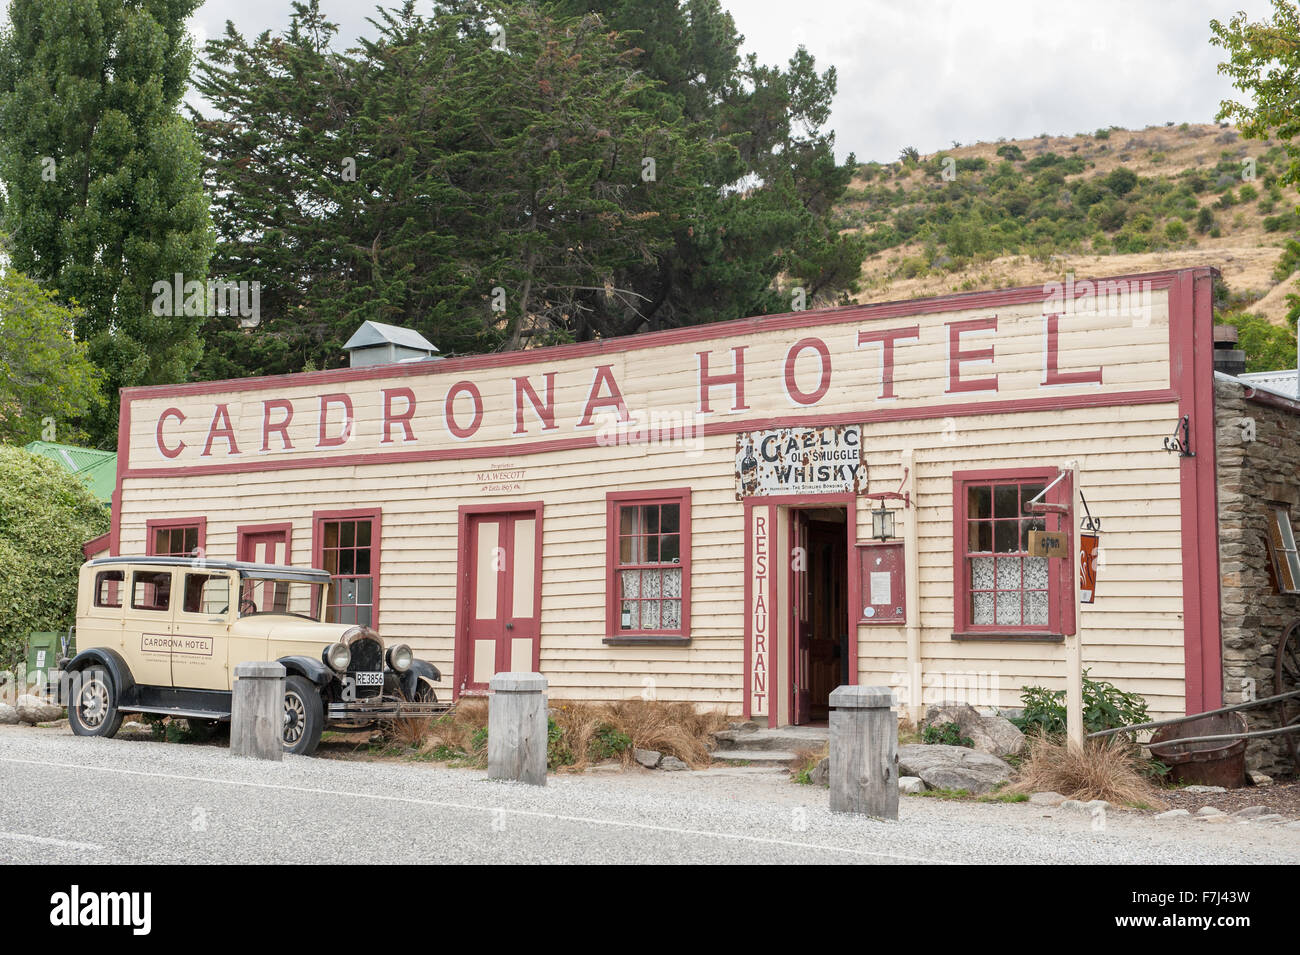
{"x": 97, "y": 468}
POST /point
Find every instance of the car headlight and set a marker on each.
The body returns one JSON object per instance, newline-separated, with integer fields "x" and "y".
{"x": 400, "y": 658}
{"x": 337, "y": 656}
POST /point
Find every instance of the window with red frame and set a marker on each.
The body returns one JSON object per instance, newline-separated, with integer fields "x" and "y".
{"x": 346, "y": 547}
{"x": 650, "y": 539}
{"x": 1000, "y": 586}
{"x": 174, "y": 540}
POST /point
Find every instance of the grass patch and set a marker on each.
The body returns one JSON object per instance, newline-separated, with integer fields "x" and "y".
{"x": 1113, "y": 770}
{"x": 805, "y": 761}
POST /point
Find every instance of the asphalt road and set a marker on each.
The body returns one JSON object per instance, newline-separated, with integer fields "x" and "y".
{"x": 88, "y": 801}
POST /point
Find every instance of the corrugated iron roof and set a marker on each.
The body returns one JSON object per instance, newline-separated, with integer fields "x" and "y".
{"x": 97, "y": 468}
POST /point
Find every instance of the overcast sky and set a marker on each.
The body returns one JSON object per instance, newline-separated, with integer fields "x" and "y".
{"x": 924, "y": 73}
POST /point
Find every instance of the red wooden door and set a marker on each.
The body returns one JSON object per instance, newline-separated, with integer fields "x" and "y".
{"x": 499, "y": 618}
{"x": 800, "y": 621}
{"x": 264, "y": 544}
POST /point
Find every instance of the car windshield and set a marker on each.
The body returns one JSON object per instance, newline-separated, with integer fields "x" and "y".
{"x": 294, "y": 597}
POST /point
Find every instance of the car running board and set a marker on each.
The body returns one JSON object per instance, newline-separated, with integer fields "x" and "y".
{"x": 179, "y": 711}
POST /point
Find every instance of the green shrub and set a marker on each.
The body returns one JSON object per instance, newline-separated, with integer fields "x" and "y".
{"x": 945, "y": 734}
{"x": 1105, "y": 706}
{"x": 1176, "y": 231}
{"x": 557, "y": 751}
{"x": 1247, "y": 193}
{"x": 607, "y": 742}
{"x": 46, "y": 514}
{"x": 1102, "y": 134}
{"x": 1011, "y": 152}
{"x": 1121, "y": 180}
{"x": 1205, "y": 220}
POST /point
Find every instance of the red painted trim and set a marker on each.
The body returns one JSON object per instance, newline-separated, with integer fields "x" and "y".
{"x": 1191, "y": 330}
{"x": 1060, "y": 610}
{"x": 614, "y": 500}
{"x": 375, "y": 515}
{"x": 627, "y": 343}
{"x": 461, "y": 661}
{"x": 97, "y": 545}
{"x": 169, "y": 523}
{"x": 865, "y": 416}
{"x": 284, "y": 528}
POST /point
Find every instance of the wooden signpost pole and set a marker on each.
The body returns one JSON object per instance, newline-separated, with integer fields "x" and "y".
{"x": 1073, "y": 648}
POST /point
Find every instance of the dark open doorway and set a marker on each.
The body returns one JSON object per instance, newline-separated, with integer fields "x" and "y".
{"x": 819, "y": 587}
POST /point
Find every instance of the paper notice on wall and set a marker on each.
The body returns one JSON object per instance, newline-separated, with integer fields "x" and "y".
{"x": 880, "y": 592}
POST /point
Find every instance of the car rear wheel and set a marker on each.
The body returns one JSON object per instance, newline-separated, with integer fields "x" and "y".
{"x": 93, "y": 711}
{"x": 304, "y": 716}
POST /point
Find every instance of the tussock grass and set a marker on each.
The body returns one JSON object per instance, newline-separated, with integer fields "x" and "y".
{"x": 674, "y": 729}
{"x": 806, "y": 760}
{"x": 1100, "y": 769}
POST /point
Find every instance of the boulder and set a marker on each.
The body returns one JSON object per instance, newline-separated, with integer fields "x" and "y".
{"x": 952, "y": 767}
{"x": 910, "y": 785}
{"x": 673, "y": 764}
{"x": 1210, "y": 811}
{"x": 8, "y": 714}
{"x": 1259, "y": 779}
{"x": 821, "y": 773}
{"x": 994, "y": 735}
{"x": 32, "y": 709}
{"x": 649, "y": 758}
{"x": 1204, "y": 789}
{"x": 1174, "y": 814}
{"x": 1251, "y": 811}
{"x": 1046, "y": 799}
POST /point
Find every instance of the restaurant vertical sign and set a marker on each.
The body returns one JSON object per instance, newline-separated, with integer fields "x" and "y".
{"x": 761, "y": 637}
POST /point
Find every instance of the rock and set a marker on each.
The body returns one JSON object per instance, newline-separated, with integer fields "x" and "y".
{"x": 1251, "y": 811}
{"x": 1269, "y": 818}
{"x": 649, "y": 758}
{"x": 1096, "y": 805}
{"x": 1222, "y": 817}
{"x": 8, "y": 714}
{"x": 1046, "y": 799}
{"x": 1204, "y": 789}
{"x": 1173, "y": 814}
{"x": 952, "y": 767}
{"x": 672, "y": 764}
{"x": 994, "y": 735}
{"x": 1259, "y": 779}
{"x": 821, "y": 773}
{"x": 1210, "y": 811}
{"x": 32, "y": 709}
{"x": 910, "y": 785}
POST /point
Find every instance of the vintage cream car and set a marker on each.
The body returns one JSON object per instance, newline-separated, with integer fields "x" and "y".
{"x": 163, "y": 635}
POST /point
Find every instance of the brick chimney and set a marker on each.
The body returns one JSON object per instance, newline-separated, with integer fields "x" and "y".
{"x": 1228, "y": 358}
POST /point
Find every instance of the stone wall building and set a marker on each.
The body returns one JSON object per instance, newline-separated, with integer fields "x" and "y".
{"x": 1257, "y": 429}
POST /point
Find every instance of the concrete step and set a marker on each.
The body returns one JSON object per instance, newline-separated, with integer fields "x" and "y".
{"x": 786, "y": 739}
{"x": 758, "y": 757}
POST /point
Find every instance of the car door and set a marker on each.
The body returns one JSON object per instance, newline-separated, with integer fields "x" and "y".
{"x": 201, "y": 634}
{"x": 147, "y": 624}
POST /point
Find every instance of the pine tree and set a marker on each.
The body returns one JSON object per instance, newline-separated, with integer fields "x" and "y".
{"x": 103, "y": 178}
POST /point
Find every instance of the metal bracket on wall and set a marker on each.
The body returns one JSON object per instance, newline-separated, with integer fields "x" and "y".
{"x": 1182, "y": 445}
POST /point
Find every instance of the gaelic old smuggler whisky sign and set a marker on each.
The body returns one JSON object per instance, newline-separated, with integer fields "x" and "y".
{"x": 800, "y": 461}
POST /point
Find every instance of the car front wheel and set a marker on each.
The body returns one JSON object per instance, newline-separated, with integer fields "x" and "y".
{"x": 304, "y": 716}
{"x": 93, "y": 711}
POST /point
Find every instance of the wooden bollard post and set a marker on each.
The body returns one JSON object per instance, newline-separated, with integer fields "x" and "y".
{"x": 517, "y": 728}
{"x": 864, "y": 751}
{"x": 257, "y": 711}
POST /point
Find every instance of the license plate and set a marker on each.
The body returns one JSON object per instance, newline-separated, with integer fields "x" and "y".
{"x": 370, "y": 679}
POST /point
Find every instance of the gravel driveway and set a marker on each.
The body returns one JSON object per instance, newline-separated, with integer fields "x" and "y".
{"x": 65, "y": 799}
